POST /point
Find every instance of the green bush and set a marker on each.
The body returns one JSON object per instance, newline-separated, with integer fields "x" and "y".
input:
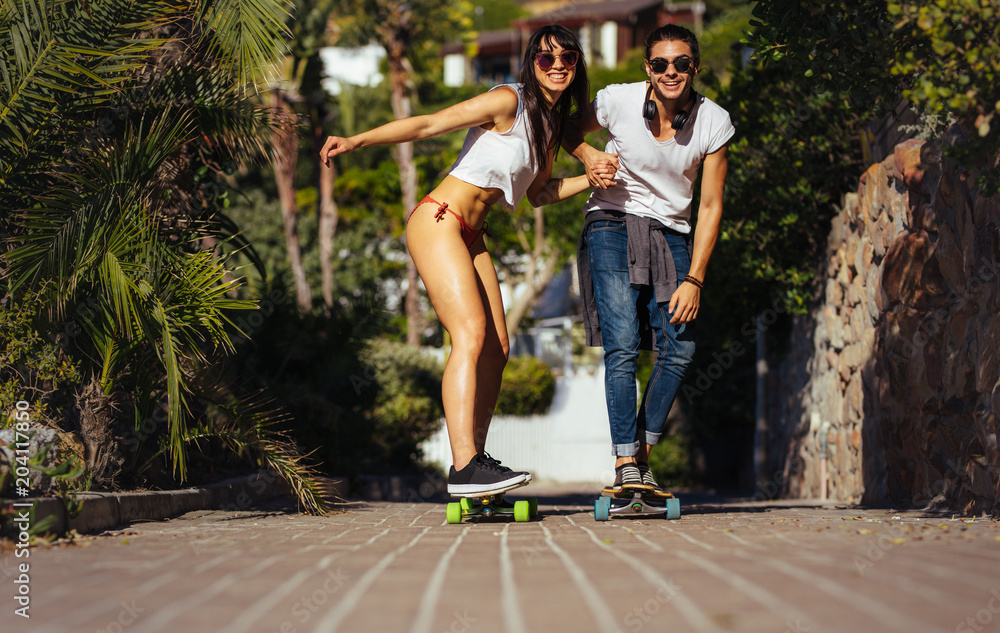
{"x": 670, "y": 461}
{"x": 952, "y": 68}
{"x": 528, "y": 387}
{"x": 360, "y": 404}
{"x": 407, "y": 409}
{"x": 32, "y": 369}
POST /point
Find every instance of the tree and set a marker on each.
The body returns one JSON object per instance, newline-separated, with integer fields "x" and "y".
{"x": 825, "y": 70}
{"x": 497, "y": 15}
{"x": 407, "y": 30}
{"x": 844, "y": 46}
{"x": 298, "y": 88}
{"x": 120, "y": 118}
{"x": 285, "y": 152}
{"x": 536, "y": 272}
{"x": 953, "y": 68}
{"x": 821, "y": 71}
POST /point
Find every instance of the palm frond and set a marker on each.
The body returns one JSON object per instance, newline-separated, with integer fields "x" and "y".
{"x": 175, "y": 393}
{"x": 61, "y": 56}
{"x": 221, "y": 227}
{"x": 107, "y": 110}
{"x": 248, "y": 36}
{"x": 232, "y": 126}
{"x": 251, "y": 429}
{"x": 98, "y": 210}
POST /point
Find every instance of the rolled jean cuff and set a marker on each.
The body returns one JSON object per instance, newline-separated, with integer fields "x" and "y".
{"x": 625, "y": 450}
{"x": 652, "y": 438}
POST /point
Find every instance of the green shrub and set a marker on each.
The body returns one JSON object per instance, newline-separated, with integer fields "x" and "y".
{"x": 528, "y": 387}
{"x": 952, "y": 68}
{"x": 32, "y": 369}
{"x": 407, "y": 409}
{"x": 670, "y": 461}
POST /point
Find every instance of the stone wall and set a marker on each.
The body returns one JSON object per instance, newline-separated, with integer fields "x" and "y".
{"x": 897, "y": 366}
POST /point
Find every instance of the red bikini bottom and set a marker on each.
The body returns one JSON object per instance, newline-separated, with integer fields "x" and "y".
{"x": 469, "y": 234}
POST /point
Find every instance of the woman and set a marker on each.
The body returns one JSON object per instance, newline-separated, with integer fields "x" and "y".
{"x": 508, "y": 152}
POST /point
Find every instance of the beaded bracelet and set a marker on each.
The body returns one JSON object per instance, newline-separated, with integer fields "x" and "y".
{"x": 692, "y": 280}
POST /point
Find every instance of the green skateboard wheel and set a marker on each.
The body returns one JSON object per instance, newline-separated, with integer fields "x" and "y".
{"x": 466, "y": 503}
{"x": 454, "y": 513}
{"x": 522, "y": 511}
{"x": 533, "y": 505}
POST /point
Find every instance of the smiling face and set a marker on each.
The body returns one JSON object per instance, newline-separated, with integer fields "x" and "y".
{"x": 671, "y": 85}
{"x": 559, "y": 76}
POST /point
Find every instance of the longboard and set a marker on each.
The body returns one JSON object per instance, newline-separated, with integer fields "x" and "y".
{"x": 488, "y": 505}
{"x": 636, "y": 500}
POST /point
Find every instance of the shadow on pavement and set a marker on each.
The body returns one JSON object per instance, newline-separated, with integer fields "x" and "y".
{"x": 692, "y": 503}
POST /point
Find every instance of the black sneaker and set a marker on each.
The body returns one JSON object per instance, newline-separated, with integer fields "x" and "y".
{"x": 482, "y": 476}
{"x": 647, "y": 476}
{"x": 496, "y": 462}
{"x": 627, "y": 476}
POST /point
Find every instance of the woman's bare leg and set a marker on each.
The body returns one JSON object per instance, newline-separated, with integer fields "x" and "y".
{"x": 496, "y": 346}
{"x": 446, "y": 268}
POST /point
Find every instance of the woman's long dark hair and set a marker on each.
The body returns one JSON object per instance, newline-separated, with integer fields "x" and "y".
{"x": 578, "y": 93}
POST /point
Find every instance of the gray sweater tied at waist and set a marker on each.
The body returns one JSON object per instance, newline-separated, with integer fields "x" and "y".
{"x": 650, "y": 263}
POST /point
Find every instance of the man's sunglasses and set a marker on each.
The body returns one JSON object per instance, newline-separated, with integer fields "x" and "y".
{"x": 660, "y": 65}
{"x": 547, "y": 60}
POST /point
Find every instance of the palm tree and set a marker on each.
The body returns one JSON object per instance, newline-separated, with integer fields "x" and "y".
{"x": 405, "y": 29}
{"x": 295, "y": 85}
{"x": 118, "y": 119}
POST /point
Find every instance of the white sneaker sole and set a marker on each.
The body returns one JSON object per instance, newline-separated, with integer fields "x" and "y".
{"x": 460, "y": 490}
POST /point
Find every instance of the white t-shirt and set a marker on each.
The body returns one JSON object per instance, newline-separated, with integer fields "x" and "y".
{"x": 655, "y": 178}
{"x": 501, "y": 160}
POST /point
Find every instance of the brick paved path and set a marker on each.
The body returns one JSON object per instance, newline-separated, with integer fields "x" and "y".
{"x": 781, "y": 568}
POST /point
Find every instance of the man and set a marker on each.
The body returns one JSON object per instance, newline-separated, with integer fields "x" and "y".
{"x": 636, "y": 248}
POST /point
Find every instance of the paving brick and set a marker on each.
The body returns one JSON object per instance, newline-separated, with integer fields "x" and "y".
{"x": 781, "y": 567}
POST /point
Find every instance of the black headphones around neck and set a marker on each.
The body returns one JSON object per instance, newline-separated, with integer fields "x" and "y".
{"x": 680, "y": 119}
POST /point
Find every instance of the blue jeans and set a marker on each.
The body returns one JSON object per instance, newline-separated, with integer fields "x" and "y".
{"x": 618, "y": 305}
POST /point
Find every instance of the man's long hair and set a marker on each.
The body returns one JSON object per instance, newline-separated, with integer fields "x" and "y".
{"x": 577, "y": 94}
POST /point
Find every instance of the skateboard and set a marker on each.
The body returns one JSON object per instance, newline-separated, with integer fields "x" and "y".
{"x": 629, "y": 500}
{"x": 492, "y": 504}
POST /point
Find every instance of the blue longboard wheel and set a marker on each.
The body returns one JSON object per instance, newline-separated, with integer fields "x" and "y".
{"x": 602, "y": 508}
{"x": 673, "y": 508}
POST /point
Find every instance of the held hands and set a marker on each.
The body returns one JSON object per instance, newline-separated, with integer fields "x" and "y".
{"x": 601, "y": 168}
{"x": 684, "y": 303}
{"x": 334, "y": 146}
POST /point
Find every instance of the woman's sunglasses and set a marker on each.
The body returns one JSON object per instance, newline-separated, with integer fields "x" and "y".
{"x": 660, "y": 65}
{"x": 547, "y": 60}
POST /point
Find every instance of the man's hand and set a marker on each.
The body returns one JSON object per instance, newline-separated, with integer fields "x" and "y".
{"x": 684, "y": 303}
{"x": 596, "y": 163}
{"x": 334, "y": 146}
{"x": 602, "y": 172}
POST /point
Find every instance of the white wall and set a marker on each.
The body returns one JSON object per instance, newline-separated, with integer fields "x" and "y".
{"x": 572, "y": 443}
{"x": 454, "y": 70}
{"x": 359, "y": 66}
{"x": 609, "y": 44}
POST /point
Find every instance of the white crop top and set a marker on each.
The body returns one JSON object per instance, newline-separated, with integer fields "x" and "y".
{"x": 500, "y": 160}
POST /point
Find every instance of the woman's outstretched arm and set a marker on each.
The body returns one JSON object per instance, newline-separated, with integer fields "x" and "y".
{"x": 498, "y": 107}
{"x": 546, "y": 190}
